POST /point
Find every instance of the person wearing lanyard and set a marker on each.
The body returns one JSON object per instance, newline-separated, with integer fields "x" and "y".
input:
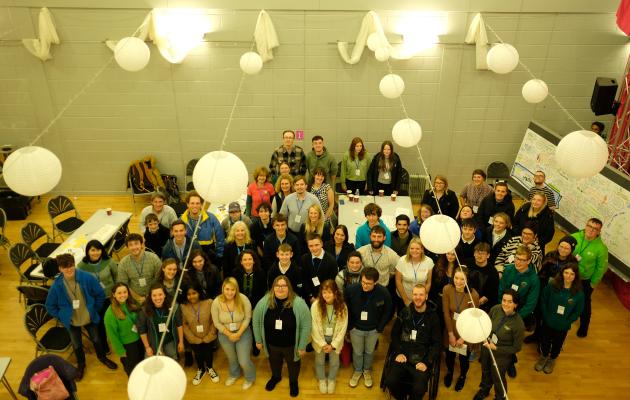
{"x": 505, "y": 341}
{"x": 210, "y": 233}
{"x": 280, "y": 236}
{"x": 169, "y": 276}
{"x": 416, "y": 344}
{"x": 317, "y": 266}
{"x": 232, "y": 314}
{"x": 259, "y": 191}
{"x": 385, "y": 171}
{"x": 401, "y": 236}
{"x": 201, "y": 271}
{"x": 120, "y": 324}
{"x": 178, "y": 246}
{"x": 262, "y": 226}
{"x": 475, "y": 191}
{"x": 295, "y": 206}
{"x": 199, "y": 332}
{"x": 315, "y": 223}
{"x": 455, "y": 299}
{"x": 329, "y": 322}
{"x": 238, "y": 240}
{"x": 282, "y": 326}
{"x": 139, "y": 268}
{"x": 152, "y": 326}
{"x": 592, "y": 256}
{"x": 413, "y": 268}
{"x": 234, "y": 215}
{"x": 104, "y": 269}
{"x": 380, "y": 256}
{"x": 369, "y": 309}
{"x": 75, "y": 299}
{"x": 338, "y": 246}
{"x": 354, "y": 167}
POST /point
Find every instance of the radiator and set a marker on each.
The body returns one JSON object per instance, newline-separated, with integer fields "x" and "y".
{"x": 417, "y": 185}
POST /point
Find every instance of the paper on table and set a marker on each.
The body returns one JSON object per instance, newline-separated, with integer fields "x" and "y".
{"x": 104, "y": 233}
{"x": 402, "y": 210}
{"x": 460, "y": 350}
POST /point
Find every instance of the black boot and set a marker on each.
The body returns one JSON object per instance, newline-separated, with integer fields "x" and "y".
{"x": 448, "y": 379}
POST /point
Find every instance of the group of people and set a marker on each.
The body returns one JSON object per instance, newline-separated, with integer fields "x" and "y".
{"x": 282, "y": 278}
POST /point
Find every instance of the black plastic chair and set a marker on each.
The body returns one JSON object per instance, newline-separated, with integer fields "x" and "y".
{"x": 55, "y": 339}
{"x": 33, "y": 294}
{"x": 190, "y": 167}
{"x": 25, "y": 261}
{"x": 497, "y": 171}
{"x": 404, "y": 183}
{"x": 118, "y": 241}
{"x": 38, "y": 240}
{"x": 4, "y": 241}
{"x": 60, "y": 209}
{"x": 66, "y": 371}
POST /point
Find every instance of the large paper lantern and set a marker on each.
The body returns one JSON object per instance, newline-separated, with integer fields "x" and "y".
{"x": 440, "y": 233}
{"x": 502, "y": 58}
{"x": 534, "y": 91}
{"x": 382, "y": 53}
{"x": 220, "y": 177}
{"x": 157, "y": 378}
{"x": 32, "y": 171}
{"x": 391, "y": 86}
{"x": 132, "y": 54}
{"x": 251, "y": 63}
{"x": 373, "y": 41}
{"x": 407, "y": 132}
{"x": 473, "y": 324}
{"x": 581, "y": 154}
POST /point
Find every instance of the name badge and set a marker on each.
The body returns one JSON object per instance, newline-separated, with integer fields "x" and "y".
{"x": 279, "y": 324}
{"x": 578, "y": 257}
{"x": 561, "y": 310}
{"x": 413, "y": 334}
{"x": 298, "y": 219}
{"x": 142, "y": 282}
{"x": 363, "y": 315}
{"x": 514, "y": 287}
{"x": 357, "y": 172}
{"x": 76, "y": 304}
{"x": 315, "y": 281}
{"x": 386, "y": 175}
{"x": 329, "y": 331}
{"x": 134, "y": 329}
{"x": 475, "y": 209}
{"x": 102, "y": 285}
{"x": 494, "y": 339}
{"x": 199, "y": 328}
{"x": 491, "y": 220}
{"x": 162, "y": 327}
{"x": 455, "y": 316}
{"x": 232, "y": 327}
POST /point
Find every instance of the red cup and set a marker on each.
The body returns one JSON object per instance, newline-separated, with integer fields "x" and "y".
{"x": 108, "y": 211}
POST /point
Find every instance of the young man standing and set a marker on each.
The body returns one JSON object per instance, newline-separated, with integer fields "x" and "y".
{"x": 499, "y": 201}
{"x": 401, "y": 236}
{"x": 165, "y": 213}
{"x": 295, "y": 206}
{"x": 210, "y": 234}
{"x": 234, "y": 214}
{"x": 179, "y": 245}
{"x": 75, "y": 299}
{"x": 466, "y": 247}
{"x": 320, "y": 157}
{"x": 372, "y": 212}
{"x": 139, "y": 268}
{"x": 287, "y": 267}
{"x": 317, "y": 266}
{"x": 541, "y": 187}
{"x": 483, "y": 276}
{"x": 290, "y": 154}
{"x": 378, "y": 256}
{"x": 279, "y": 237}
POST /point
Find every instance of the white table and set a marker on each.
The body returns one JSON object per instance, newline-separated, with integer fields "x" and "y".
{"x": 99, "y": 226}
{"x": 351, "y": 214}
{"x": 4, "y": 365}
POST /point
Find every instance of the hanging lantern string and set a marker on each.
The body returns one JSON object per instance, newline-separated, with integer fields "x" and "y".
{"x": 531, "y": 74}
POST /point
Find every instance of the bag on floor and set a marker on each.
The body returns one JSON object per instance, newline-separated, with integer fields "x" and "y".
{"x": 172, "y": 189}
{"x": 48, "y": 386}
{"x": 144, "y": 177}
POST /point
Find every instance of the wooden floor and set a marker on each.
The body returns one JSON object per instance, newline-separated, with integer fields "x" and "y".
{"x": 597, "y": 367}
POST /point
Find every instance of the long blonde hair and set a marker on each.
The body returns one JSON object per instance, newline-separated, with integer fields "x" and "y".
{"x": 531, "y": 213}
{"x": 272, "y": 297}
{"x": 415, "y": 240}
{"x": 283, "y": 178}
{"x": 231, "y": 238}
{"x": 319, "y": 227}
{"x": 238, "y": 304}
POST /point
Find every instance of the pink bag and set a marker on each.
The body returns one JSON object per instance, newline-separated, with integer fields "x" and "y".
{"x": 48, "y": 386}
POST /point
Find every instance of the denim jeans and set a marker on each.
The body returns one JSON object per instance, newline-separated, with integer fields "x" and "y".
{"x": 169, "y": 349}
{"x": 333, "y": 367}
{"x": 77, "y": 341}
{"x": 239, "y": 355}
{"x": 363, "y": 345}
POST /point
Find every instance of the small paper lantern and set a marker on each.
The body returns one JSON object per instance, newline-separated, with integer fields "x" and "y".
{"x": 502, "y": 58}
{"x": 157, "y": 378}
{"x": 473, "y": 324}
{"x": 407, "y": 132}
{"x": 132, "y": 54}
{"x": 440, "y": 233}
{"x": 220, "y": 177}
{"x": 373, "y": 41}
{"x": 535, "y": 91}
{"x": 392, "y": 86}
{"x": 582, "y": 154}
{"x": 32, "y": 171}
{"x": 382, "y": 53}
{"x": 251, "y": 63}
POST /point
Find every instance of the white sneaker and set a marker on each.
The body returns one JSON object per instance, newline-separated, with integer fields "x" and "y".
{"x": 367, "y": 378}
{"x": 214, "y": 377}
{"x": 230, "y": 381}
{"x": 354, "y": 380}
{"x": 247, "y": 385}
{"x": 331, "y": 387}
{"x": 198, "y": 376}
{"x": 323, "y": 388}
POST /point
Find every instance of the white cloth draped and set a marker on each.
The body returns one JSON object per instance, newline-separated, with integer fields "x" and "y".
{"x": 265, "y": 36}
{"x": 477, "y": 35}
{"x": 40, "y": 48}
{"x": 371, "y": 24}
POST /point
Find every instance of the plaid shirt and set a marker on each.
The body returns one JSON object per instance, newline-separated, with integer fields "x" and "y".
{"x": 296, "y": 160}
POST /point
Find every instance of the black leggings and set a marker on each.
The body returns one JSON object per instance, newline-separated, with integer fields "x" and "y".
{"x": 551, "y": 341}
{"x": 403, "y": 377}
{"x": 276, "y": 355}
{"x": 135, "y": 354}
{"x": 203, "y": 354}
{"x": 354, "y": 185}
{"x": 463, "y": 362}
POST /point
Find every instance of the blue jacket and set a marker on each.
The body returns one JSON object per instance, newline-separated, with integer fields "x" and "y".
{"x": 210, "y": 231}
{"x": 59, "y": 305}
{"x": 363, "y": 235}
{"x": 169, "y": 250}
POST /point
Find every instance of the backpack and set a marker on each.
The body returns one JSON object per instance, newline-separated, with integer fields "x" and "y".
{"x": 48, "y": 386}
{"x": 172, "y": 189}
{"x": 144, "y": 177}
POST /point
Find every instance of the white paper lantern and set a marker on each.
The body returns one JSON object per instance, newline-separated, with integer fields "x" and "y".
{"x": 373, "y": 41}
{"x": 407, "y": 132}
{"x": 32, "y": 171}
{"x": 132, "y": 54}
{"x": 582, "y": 154}
{"x": 473, "y": 324}
{"x": 502, "y": 58}
{"x": 391, "y": 86}
{"x": 251, "y": 63}
{"x": 382, "y": 53}
{"x": 157, "y": 378}
{"x": 220, "y": 177}
{"x": 535, "y": 90}
{"x": 440, "y": 233}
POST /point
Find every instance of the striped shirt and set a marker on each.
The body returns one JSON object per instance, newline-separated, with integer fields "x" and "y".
{"x": 551, "y": 200}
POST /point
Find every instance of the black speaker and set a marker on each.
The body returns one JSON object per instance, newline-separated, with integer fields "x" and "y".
{"x": 603, "y": 96}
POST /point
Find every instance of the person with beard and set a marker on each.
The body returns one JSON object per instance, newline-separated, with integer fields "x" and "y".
{"x": 401, "y": 236}
{"x": 498, "y": 201}
{"x": 540, "y": 187}
{"x": 372, "y": 212}
{"x": 484, "y": 278}
{"x": 379, "y": 256}
{"x": 139, "y": 268}
{"x": 416, "y": 342}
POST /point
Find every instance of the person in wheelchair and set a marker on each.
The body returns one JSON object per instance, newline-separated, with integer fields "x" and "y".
{"x": 415, "y": 346}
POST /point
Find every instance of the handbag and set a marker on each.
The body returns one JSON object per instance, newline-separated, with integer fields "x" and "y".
{"x": 48, "y": 386}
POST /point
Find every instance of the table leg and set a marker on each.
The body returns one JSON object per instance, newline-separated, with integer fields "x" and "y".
{"x": 5, "y": 382}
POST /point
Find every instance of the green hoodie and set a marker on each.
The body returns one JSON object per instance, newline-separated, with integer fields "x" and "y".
{"x": 593, "y": 256}
{"x": 526, "y": 284}
{"x": 325, "y": 160}
{"x": 572, "y": 307}
{"x": 121, "y": 331}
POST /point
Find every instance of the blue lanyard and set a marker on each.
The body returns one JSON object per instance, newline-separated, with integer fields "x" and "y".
{"x": 459, "y": 303}
{"x": 135, "y": 265}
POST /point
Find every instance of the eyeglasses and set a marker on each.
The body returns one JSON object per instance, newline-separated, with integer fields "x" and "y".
{"x": 522, "y": 259}
{"x": 593, "y": 227}
{"x": 282, "y": 286}
{"x": 367, "y": 283}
